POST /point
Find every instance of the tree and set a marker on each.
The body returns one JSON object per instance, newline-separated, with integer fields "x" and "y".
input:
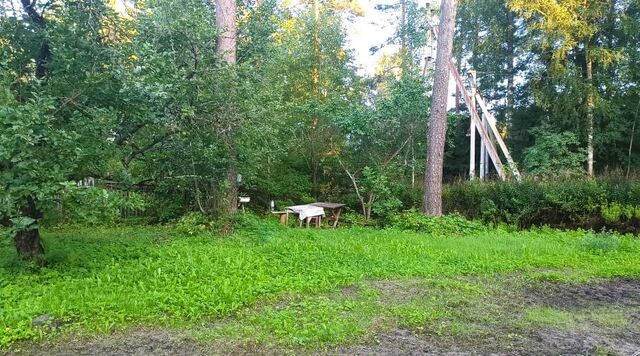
{"x": 50, "y": 124}
{"x": 570, "y": 29}
{"x": 437, "y": 130}
{"x": 226, "y": 49}
{"x": 378, "y": 156}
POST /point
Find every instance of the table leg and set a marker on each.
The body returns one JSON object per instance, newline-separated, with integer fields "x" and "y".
{"x": 337, "y": 217}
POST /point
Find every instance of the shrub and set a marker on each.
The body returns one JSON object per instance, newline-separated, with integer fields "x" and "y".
{"x": 446, "y": 225}
{"x": 578, "y": 203}
{"x": 93, "y": 206}
{"x": 255, "y": 226}
{"x": 352, "y": 219}
{"x": 195, "y": 224}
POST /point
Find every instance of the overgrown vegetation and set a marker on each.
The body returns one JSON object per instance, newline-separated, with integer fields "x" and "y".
{"x": 137, "y": 98}
{"x": 105, "y": 279}
{"x": 606, "y": 203}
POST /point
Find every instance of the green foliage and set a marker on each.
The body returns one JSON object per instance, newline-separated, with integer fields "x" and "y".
{"x": 104, "y": 280}
{"x": 586, "y": 203}
{"x": 37, "y": 151}
{"x": 601, "y": 243}
{"x": 195, "y": 223}
{"x": 378, "y": 185}
{"x": 449, "y": 225}
{"x": 352, "y": 219}
{"x": 93, "y": 206}
{"x": 616, "y": 212}
{"x": 554, "y": 154}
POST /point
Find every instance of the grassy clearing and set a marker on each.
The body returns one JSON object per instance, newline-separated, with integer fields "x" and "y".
{"x": 101, "y": 280}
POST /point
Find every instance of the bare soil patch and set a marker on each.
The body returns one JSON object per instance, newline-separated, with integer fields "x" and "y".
{"x": 133, "y": 342}
{"x": 620, "y": 292}
{"x": 400, "y": 291}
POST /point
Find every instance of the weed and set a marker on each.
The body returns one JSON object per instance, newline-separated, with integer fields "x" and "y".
{"x": 106, "y": 279}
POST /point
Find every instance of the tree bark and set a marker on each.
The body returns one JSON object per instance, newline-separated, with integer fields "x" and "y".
{"x": 227, "y": 29}
{"x": 590, "y": 105}
{"x": 226, "y": 48}
{"x": 437, "y": 130}
{"x": 28, "y": 245}
{"x": 232, "y": 179}
{"x": 633, "y": 133}
{"x": 510, "y": 66}
{"x": 27, "y": 241}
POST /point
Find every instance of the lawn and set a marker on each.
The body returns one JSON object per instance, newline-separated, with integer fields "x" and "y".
{"x": 290, "y": 288}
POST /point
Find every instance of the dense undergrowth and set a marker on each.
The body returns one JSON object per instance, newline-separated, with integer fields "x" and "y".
{"x": 606, "y": 203}
{"x": 611, "y": 203}
{"x": 105, "y": 279}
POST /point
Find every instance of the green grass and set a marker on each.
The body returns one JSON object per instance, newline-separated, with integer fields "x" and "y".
{"x": 551, "y": 317}
{"x": 100, "y": 280}
{"x": 563, "y": 319}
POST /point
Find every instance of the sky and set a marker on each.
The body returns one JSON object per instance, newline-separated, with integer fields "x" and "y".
{"x": 373, "y": 29}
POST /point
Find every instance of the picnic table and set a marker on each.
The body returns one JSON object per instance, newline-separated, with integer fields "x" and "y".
{"x": 335, "y": 210}
{"x": 308, "y": 212}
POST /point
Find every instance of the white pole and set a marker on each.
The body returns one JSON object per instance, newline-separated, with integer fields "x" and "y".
{"x": 486, "y": 154}
{"x": 472, "y": 130}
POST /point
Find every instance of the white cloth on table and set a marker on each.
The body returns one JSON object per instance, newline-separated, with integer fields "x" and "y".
{"x": 306, "y": 211}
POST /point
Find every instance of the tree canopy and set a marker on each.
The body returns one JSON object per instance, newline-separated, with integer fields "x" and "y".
{"x": 135, "y": 96}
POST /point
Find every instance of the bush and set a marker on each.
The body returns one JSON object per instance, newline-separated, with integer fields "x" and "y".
{"x": 255, "y": 226}
{"x": 352, "y": 219}
{"x": 611, "y": 203}
{"x": 93, "y": 206}
{"x": 195, "y": 224}
{"x": 413, "y": 220}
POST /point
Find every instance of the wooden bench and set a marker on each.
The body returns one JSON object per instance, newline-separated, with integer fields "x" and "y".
{"x": 283, "y": 215}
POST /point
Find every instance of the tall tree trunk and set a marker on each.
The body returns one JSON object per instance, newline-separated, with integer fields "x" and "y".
{"x": 227, "y": 29}
{"x": 27, "y": 241}
{"x": 232, "y": 178}
{"x": 315, "y": 140}
{"x": 44, "y": 53}
{"x": 436, "y": 133}
{"x": 510, "y": 67}
{"x": 226, "y": 48}
{"x": 633, "y": 133}
{"x": 590, "y": 105}
{"x": 403, "y": 35}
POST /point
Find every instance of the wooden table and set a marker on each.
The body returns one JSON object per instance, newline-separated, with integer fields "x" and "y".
{"x": 334, "y": 208}
{"x": 284, "y": 216}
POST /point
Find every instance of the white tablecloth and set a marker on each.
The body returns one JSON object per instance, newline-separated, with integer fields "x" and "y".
{"x": 305, "y": 211}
